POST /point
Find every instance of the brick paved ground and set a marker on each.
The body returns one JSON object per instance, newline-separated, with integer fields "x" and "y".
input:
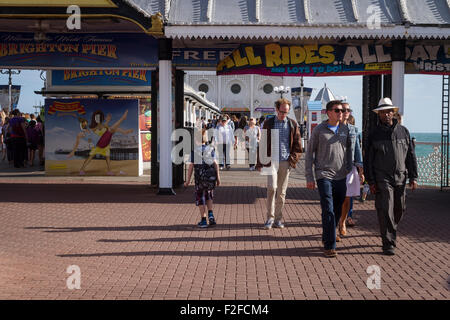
{"x": 132, "y": 244}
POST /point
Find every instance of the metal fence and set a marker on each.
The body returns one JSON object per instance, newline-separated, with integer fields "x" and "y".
{"x": 429, "y": 167}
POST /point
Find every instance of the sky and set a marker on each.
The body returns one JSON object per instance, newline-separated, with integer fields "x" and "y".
{"x": 423, "y": 96}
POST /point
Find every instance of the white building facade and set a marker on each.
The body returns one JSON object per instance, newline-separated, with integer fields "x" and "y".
{"x": 250, "y": 95}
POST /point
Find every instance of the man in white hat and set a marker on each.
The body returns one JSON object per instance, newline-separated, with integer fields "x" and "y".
{"x": 389, "y": 160}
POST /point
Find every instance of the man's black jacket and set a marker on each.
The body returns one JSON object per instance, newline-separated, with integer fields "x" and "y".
{"x": 390, "y": 155}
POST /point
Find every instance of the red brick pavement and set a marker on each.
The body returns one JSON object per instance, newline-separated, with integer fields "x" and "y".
{"x": 132, "y": 244}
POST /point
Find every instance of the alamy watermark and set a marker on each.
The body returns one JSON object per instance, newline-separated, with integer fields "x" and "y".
{"x": 230, "y": 144}
{"x": 74, "y": 20}
{"x": 74, "y": 280}
{"x": 374, "y": 18}
{"x": 374, "y": 281}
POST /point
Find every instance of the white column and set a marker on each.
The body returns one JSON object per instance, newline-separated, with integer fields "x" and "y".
{"x": 189, "y": 116}
{"x": 398, "y": 85}
{"x": 219, "y": 92}
{"x": 194, "y": 113}
{"x": 252, "y": 93}
{"x": 185, "y": 112}
{"x": 165, "y": 118}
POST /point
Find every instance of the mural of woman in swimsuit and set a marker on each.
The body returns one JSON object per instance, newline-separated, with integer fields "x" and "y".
{"x": 99, "y": 126}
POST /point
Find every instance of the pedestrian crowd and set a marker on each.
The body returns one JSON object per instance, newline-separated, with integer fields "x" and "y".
{"x": 336, "y": 163}
{"x": 22, "y": 138}
{"x": 231, "y": 133}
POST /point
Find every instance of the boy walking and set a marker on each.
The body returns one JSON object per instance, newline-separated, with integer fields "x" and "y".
{"x": 206, "y": 176}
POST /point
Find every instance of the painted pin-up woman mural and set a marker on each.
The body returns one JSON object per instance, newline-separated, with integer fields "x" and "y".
{"x": 99, "y": 126}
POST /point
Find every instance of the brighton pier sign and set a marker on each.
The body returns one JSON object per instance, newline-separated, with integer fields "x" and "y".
{"x": 89, "y": 51}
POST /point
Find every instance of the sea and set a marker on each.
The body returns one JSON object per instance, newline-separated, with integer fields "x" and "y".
{"x": 423, "y": 150}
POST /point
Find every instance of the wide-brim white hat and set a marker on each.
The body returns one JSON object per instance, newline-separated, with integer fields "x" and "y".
{"x": 385, "y": 104}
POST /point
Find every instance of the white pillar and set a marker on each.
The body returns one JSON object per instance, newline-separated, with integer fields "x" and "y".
{"x": 185, "y": 112}
{"x": 194, "y": 113}
{"x": 219, "y": 92}
{"x": 398, "y": 85}
{"x": 165, "y": 117}
{"x": 189, "y": 111}
{"x": 252, "y": 94}
{"x": 193, "y": 119}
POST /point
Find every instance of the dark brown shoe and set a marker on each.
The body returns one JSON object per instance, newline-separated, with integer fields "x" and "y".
{"x": 330, "y": 253}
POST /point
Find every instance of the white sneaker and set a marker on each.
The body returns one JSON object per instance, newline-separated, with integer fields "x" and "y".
{"x": 269, "y": 223}
{"x": 278, "y": 224}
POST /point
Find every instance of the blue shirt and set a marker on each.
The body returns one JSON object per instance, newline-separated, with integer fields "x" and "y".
{"x": 284, "y": 137}
{"x": 333, "y": 128}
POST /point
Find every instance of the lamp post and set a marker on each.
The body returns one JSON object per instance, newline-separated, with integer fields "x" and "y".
{"x": 9, "y": 72}
{"x": 281, "y": 89}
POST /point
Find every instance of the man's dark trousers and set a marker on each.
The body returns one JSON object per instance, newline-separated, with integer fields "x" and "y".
{"x": 332, "y": 196}
{"x": 390, "y": 205}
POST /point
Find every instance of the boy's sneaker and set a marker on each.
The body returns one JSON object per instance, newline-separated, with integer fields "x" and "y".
{"x": 269, "y": 224}
{"x": 203, "y": 224}
{"x": 278, "y": 224}
{"x": 212, "y": 221}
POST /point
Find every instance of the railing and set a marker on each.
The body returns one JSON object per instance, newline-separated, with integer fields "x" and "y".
{"x": 429, "y": 166}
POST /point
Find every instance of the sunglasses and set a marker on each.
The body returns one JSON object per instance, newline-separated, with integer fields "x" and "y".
{"x": 339, "y": 110}
{"x": 347, "y": 110}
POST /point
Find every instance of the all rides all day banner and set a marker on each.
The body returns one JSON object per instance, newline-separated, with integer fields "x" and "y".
{"x": 91, "y": 137}
{"x": 332, "y": 60}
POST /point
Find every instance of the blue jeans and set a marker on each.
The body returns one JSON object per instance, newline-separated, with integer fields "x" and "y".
{"x": 350, "y": 211}
{"x": 332, "y": 196}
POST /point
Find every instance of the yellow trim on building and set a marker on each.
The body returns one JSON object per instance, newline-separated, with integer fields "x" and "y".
{"x": 58, "y": 3}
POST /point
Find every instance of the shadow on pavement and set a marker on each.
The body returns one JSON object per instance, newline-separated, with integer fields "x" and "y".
{"x": 176, "y": 227}
{"x": 427, "y": 217}
{"x": 134, "y": 193}
{"x": 287, "y": 252}
{"x": 216, "y": 239}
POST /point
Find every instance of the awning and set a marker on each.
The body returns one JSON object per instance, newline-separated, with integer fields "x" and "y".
{"x": 47, "y": 16}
